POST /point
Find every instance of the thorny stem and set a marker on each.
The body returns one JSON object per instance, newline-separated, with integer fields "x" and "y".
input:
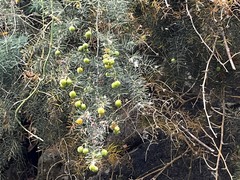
{"x": 196, "y": 139}
{"x": 200, "y": 36}
{"x": 220, "y": 155}
{"x": 227, "y": 49}
{"x": 160, "y": 170}
{"x": 36, "y": 88}
{"x": 204, "y": 95}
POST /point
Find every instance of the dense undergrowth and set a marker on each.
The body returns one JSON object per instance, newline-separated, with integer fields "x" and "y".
{"x": 74, "y": 73}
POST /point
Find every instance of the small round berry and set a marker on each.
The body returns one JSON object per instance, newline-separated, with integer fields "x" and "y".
{"x": 116, "y": 53}
{"x": 218, "y": 68}
{"x": 92, "y": 167}
{"x": 85, "y": 150}
{"x": 72, "y": 94}
{"x": 116, "y": 84}
{"x": 80, "y": 48}
{"x": 57, "y": 52}
{"x": 116, "y": 130}
{"x": 86, "y": 60}
{"x": 83, "y": 106}
{"x": 101, "y": 111}
{"x": 173, "y": 60}
{"x": 88, "y": 34}
{"x": 80, "y": 149}
{"x": 79, "y": 70}
{"x": 104, "y": 152}
{"x": 71, "y": 28}
{"x": 79, "y": 121}
{"x": 63, "y": 82}
{"x": 69, "y": 81}
{"x": 118, "y": 103}
{"x": 85, "y": 45}
{"x": 78, "y": 103}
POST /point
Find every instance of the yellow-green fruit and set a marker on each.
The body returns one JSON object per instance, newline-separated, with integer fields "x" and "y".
{"x": 118, "y": 103}
{"x": 93, "y": 167}
{"x": 63, "y": 82}
{"x": 218, "y": 68}
{"x": 111, "y": 61}
{"x": 86, "y": 60}
{"x": 79, "y": 70}
{"x": 71, "y": 28}
{"x": 85, "y": 45}
{"x": 88, "y": 34}
{"x": 83, "y": 106}
{"x": 173, "y": 60}
{"x": 78, "y": 104}
{"x": 72, "y": 94}
{"x": 62, "y": 86}
{"x": 80, "y": 48}
{"x": 107, "y": 74}
{"x": 80, "y": 149}
{"x": 116, "y": 53}
{"x": 57, "y": 52}
{"x": 116, "y": 84}
{"x": 105, "y": 61}
{"x": 108, "y": 66}
{"x": 106, "y": 56}
{"x": 85, "y": 150}
{"x": 79, "y": 121}
{"x": 69, "y": 81}
{"x": 116, "y": 130}
{"x": 104, "y": 152}
{"x": 101, "y": 111}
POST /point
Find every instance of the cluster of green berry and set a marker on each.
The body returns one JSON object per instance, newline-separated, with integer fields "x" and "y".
{"x": 95, "y": 156}
{"x": 87, "y": 113}
{"x": 83, "y": 48}
{"x": 108, "y": 58}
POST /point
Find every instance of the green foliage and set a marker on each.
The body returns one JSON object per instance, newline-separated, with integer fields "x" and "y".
{"x": 9, "y": 138}
{"x": 51, "y": 107}
{"x": 10, "y": 56}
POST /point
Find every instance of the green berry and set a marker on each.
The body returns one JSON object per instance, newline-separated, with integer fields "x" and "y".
{"x": 57, "y": 52}
{"x": 101, "y": 111}
{"x": 106, "y": 56}
{"x": 86, "y": 60}
{"x": 111, "y": 61}
{"x": 92, "y": 167}
{"x": 116, "y": 130}
{"x": 79, "y": 70}
{"x": 72, "y": 94}
{"x": 78, "y": 104}
{"x": 88, "y": 34}
{"x": 63, "y": 82}
{"x": 85, "y": 151}
{"x": 116, "y": 53}
{"x": 69, "y": 81}
{"x": 116, "y": 84}
{"x": 80, "y": 149}
{"x": 173, "y": 60}
{"x": 80, "y": 48}
{"x": 218, "y": 68}
{"x": 108, "y": 66}
{"x": 105, "y": 61}
{"x": 118, "y": 103}
{"x": 85, "y": 45}
{"x": 71, "y": 28}
{"x": 83, "y": 106}
{"x": 104, "y": 152}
